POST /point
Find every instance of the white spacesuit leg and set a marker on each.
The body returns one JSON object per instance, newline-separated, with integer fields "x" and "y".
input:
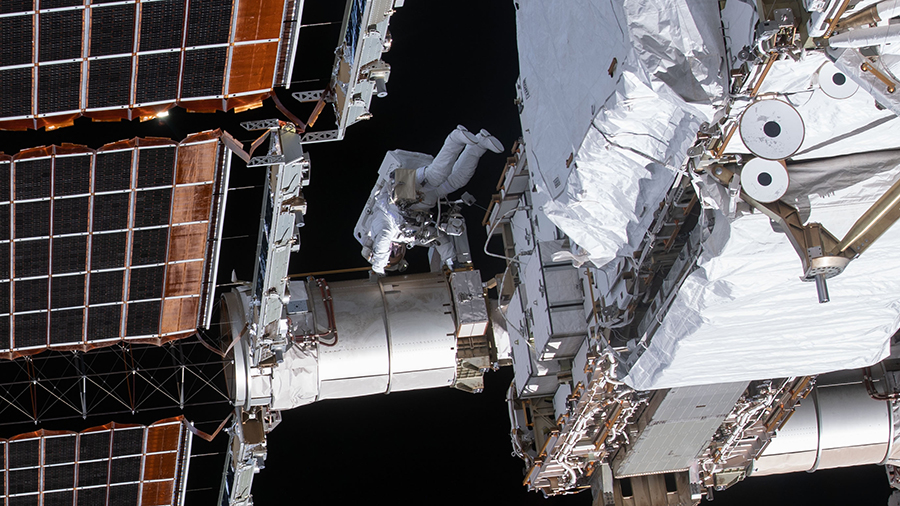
{"x": 381, "y": 251}
{"x": 386, "y": 230}
{"x": 462, "y": 172}
{"x": 435, "y": 173}
{"x": 465, "y": 165}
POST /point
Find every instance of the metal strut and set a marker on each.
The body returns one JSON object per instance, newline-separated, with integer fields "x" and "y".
{"x": 824, "y": 256}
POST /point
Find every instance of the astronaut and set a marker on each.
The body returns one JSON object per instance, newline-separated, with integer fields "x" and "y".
{"x": 395, "y": 225}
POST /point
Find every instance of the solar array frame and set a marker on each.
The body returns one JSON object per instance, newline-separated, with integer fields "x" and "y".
{"x": 113, "y": 464}
{"x": 136, "y": 58}
{"x": 117, "y": 244}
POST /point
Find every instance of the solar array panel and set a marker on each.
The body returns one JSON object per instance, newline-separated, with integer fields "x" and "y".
{"x": 109, "y": 465}
{"x": 61, "y": 59}
{"x": 102, "y": 246}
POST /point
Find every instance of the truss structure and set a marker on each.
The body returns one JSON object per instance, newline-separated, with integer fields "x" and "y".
{"x": 124, "y": 379}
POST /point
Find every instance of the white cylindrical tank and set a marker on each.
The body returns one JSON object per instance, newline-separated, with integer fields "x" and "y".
{"x": 395, "y": 333}
{"x": 837, "y": 425}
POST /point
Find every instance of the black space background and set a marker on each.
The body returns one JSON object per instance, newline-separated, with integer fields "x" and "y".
{"x": 452, "y": 63}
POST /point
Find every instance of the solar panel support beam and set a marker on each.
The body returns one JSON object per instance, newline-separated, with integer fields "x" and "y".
{"x": 264, "y": 124}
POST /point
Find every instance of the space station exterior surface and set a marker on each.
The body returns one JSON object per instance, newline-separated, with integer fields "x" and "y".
{"x": 697, "y": 289}
{"x": 699, "y": 244}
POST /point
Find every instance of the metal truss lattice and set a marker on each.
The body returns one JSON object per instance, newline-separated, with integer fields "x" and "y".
{"x": 124, "y": 379}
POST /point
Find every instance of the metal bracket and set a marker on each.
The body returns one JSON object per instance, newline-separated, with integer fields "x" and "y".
{"x": 308, "y": 96}
{"x": 322, "y": 136}
{"x": 263, "y": 161}
{"x": 263, "y": 124}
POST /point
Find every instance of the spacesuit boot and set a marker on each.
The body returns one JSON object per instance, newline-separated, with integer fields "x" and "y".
{"x": 485, "y": 140}
{"x": 462, "y": 135}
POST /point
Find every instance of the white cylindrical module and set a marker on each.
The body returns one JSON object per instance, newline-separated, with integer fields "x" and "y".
{"x": 863, "y": 37}
{"x": 396, "y": 333}
{"x": 393, "y": 334}
{"x": 772, "y": 129}
{"x": 765, "y": 180}
{"x": 835, "y": 83}
{"x": 837, "y": 425}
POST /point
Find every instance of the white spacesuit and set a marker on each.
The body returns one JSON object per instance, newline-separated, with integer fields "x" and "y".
{"x": 449, "y": 171}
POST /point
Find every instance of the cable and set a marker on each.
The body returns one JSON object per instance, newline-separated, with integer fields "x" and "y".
{"x": 494, "y": 227}
{"x": 500, "y": 310}
{"x": 635, "y": 151}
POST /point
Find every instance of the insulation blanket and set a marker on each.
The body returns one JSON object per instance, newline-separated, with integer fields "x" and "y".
{"x": 613, "y": 94}
{"x": 832, "y": 127}
{"x": 743, "y": 313}
{"x": 296, "y": 381}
